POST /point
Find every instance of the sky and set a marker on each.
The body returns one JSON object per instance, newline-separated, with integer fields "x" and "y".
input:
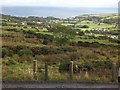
{"x": 61, "y": 3}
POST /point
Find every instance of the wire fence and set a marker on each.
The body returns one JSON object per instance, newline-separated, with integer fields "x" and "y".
{"x": 70, "y": 71}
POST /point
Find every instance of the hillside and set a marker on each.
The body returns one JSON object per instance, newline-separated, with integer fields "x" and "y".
{"x": 91, "y": 41}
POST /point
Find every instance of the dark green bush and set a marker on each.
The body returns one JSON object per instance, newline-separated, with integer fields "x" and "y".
{"x": 95, "y": 65}
{"x": 25, "y": 52}
{"x": 5, "y": 52}
{"x": 11, "y": 62}
{"x": 65, "y": 67}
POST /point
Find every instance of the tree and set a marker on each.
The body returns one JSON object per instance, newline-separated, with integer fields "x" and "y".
{"x": 63, "y": 34}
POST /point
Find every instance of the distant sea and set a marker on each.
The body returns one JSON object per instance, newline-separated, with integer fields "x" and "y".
{"x": 60, "y": 12}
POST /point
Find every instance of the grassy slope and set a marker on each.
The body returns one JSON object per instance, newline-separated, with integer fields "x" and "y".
{"x": 24, "y": 71}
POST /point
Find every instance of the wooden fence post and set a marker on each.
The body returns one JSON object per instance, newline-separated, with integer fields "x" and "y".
{"x": 86, "y": 74}
{"x": 119, "y": 78}
{"x": 114, "y": 72}
{"x": 35, "y": 69}
{"x": 46, "y": 71}
{"x": 71, "y": 70}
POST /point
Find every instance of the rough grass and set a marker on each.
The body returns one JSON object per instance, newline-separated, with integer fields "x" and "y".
{"x": 25, "y": 72}
{"x": 17, "y": 72}
{"x": 14, "y": 70}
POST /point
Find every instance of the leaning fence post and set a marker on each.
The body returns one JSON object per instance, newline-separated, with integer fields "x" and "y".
{"x": 119, "y": 78}
{"x": 46, "y": 71}
{"x": 71, "y": 70}
{"x": 35, "y": 69}
{"x": 114, "y": 72}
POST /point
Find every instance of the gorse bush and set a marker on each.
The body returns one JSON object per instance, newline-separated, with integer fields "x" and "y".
{"x": 5, "y": 52}
{"x": 89, "y": 65}
{"x": 11, "y": 62}
{"x": 96, "y": 64}
{"x": 26, "y": 55}
{"x": 25, "y": 52}
{"x": 65, "y": 67}
{"x": 26, "y": 59}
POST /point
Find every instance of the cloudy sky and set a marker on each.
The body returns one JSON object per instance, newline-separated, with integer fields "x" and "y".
{"x": 61, "y": 3}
